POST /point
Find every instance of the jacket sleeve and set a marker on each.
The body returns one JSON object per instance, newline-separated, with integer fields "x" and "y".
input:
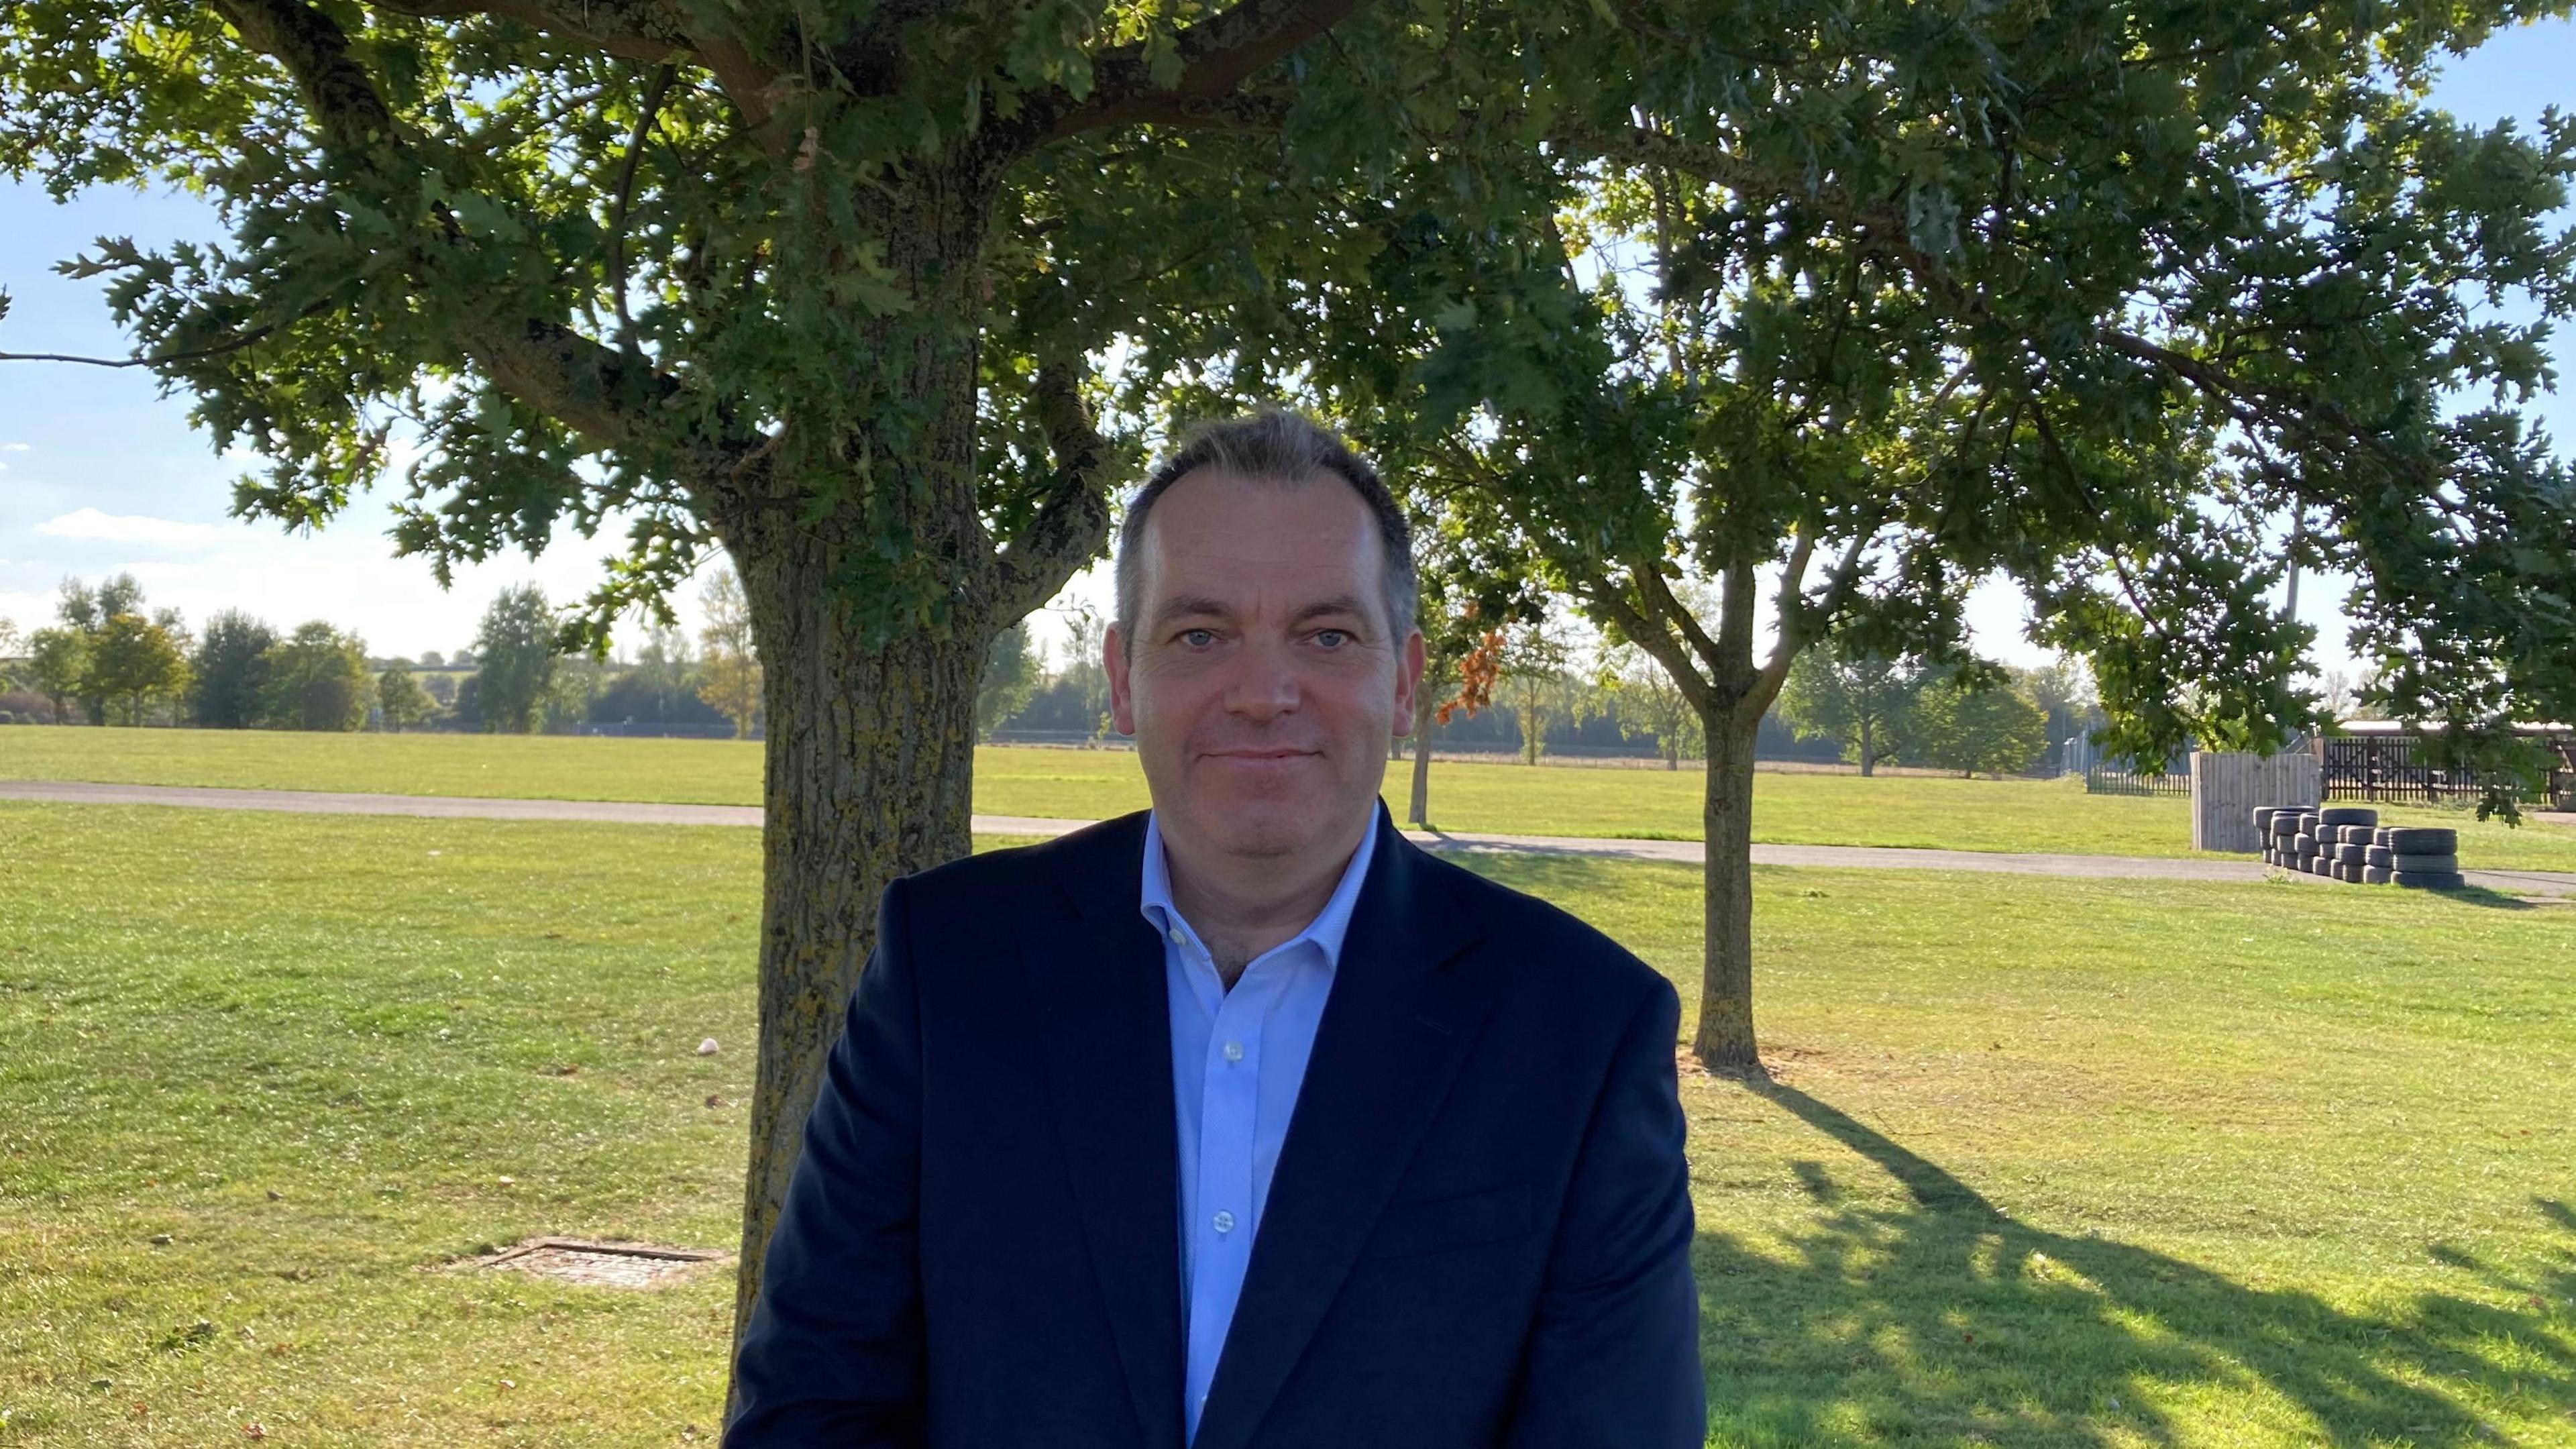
{"x": 1613, "y": 1354}
{"x": 833, "y": 1352}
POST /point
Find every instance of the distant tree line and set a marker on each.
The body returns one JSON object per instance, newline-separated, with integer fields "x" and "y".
{"x": 108, "y": 660}
{"x": 1538, "y": 691}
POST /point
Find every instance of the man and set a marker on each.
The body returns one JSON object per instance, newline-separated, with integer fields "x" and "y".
{"x": 1244, "y": 1121}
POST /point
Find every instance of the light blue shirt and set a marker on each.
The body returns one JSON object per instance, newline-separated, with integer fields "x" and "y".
{"x": 1238, "y": 1058}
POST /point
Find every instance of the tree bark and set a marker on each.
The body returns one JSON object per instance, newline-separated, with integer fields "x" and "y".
{"x": 1419, "y": 811}
{"x": 1724, "y": 1040}
{"x": 870, "y": 749}
{"x": 870, "y": 758}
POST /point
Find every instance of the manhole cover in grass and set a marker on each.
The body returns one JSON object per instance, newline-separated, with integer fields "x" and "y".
{"x": 602, "y": 1265}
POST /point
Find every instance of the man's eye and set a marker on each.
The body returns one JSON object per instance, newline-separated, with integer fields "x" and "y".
{"x": 1332, "y": 638}
{"x": 1198, "y": 638}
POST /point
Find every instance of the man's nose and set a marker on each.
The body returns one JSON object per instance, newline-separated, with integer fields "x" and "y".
{"x": 1262, "y": 682}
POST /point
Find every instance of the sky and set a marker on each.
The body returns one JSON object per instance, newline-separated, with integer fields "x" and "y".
{"x": 99, "y": 473}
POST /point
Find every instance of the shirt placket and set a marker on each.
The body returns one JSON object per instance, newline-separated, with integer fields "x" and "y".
{"x": 1228, "y": 1139}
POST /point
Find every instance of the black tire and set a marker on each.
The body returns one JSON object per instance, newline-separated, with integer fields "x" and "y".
{"x": 2434, "y": 881}
{"x": 2375, "y": 875}
{"x": 2308, "y": 847}
{"x": 2379, "y": 837}
{"x": 2423, "y": 840}
{"x": 2319, "y": 865}
{"x": 2351, "y": 854}
{"x": 2285, "y": 823}
{"x": 2263, "y": 819}
{"x": 2380, "y": 856}
{"x": 2354, "y": 834}
{"x": 2348, "y": 815}
{"x": 2406, "y": 864}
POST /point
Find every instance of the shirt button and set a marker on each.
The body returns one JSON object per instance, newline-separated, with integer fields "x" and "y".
{"x": 1234, "y": 1051}
{"x": 1179, "y": 939}
{"x": 1224, "y": 1222}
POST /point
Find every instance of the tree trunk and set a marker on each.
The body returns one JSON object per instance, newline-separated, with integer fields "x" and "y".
{"x": 1868, "y": 751}
{"x": 870, "y": 748}
{"x": 1419, "y": 811}
{"x": 1724, "y": 1039}
{"x": 870, "y": 768}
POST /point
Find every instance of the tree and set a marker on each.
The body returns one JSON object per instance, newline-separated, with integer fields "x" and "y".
{"x": 401, "y": 698}
{"x": 2064, "y": 692}
{"x": 134, "y": 660}
{"x": 1536, "y": 681}
{"x": 1862, "y": 702}
{"x": 577, "y": 683}
{"x": 1847, "y": 315}
{"x": 1970, "y": 723}
{"x": 57, "y": 663}
{"x": 316, "y": 679}
{"x": 1651, "y": 703}
{"x": 516, "y": 645}
{"x": 13, "y": 655}
{"x": 729, "y": 676}
{"x": 227, "y": 670}
{"x": 1085, "y": 670}
{"x": 1010, "y": 678}
{"x": 86, "y": 611}
{"x": 816, "y": 282}
{"x": 663, "y": 669}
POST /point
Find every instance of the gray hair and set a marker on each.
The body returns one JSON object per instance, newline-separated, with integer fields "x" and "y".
{"x": 1272, "y": 445}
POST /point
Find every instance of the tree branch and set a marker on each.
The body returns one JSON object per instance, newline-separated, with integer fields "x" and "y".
{"x": 1216, "y": 55}
{"x": 1664, "y": 604}
{"x": 1794, "y": 608}
{"x": 1073, "y": 522}
{"x": 645, "y": 30}
{"x": 625, "y": 198}
{"x": 579, "y": 381}
{"x": 1658, "y": 641}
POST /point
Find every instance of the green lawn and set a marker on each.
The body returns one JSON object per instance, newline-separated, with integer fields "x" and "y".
{"x": 1800, "y": 809}
{"x": 2047, "y": 1163}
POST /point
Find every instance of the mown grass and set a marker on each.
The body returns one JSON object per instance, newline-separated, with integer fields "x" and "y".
{"x": 2046, "y": 1162}
{"x": 1789, "y": 808}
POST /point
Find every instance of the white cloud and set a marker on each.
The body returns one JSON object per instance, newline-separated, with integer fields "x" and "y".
{"x": 137, "y": 528}
{"x": 14, "y": 447}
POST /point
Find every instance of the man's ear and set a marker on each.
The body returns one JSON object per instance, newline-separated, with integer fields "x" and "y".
{"x": 1408, "y": 681}
{"x": 1122, "y": 700}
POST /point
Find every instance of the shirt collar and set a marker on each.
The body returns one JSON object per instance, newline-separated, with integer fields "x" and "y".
{"x": 1326, "y": 931}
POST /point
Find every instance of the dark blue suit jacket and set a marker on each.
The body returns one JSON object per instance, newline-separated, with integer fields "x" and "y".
{"x": 1478, "y": 1233}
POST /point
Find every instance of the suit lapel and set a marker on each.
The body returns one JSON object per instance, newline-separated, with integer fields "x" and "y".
{"x": 1097, "y": 985}
{"x": 1398, "y": 1023}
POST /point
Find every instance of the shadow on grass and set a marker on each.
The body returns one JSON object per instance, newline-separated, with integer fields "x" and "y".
{"x": 1945, "y": 1322}
{"x": 2494, "y": 900}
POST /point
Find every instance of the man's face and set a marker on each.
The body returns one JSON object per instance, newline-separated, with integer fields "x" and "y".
{"x": 1261, "y": 684}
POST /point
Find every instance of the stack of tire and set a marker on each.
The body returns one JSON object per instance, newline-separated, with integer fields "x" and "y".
{"x": 2347, "y": 843}
{"x": 2344, "y": 836}
{"x": 2422, "y": 856}
{"x": 2278, "y": 825}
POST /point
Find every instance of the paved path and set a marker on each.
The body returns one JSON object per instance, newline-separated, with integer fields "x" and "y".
{"x": 633, "y": 812}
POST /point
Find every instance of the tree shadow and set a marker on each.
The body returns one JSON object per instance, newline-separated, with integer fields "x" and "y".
{"x": 2502, "y": 900}
{"x": 1944, "y": 1321}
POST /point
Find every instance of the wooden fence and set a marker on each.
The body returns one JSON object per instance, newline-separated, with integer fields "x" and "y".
{"x": 2384, "y": 767}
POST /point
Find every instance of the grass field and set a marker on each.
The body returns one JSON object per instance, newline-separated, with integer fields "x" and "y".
{"x": 1798, "y": 809}
{"x": 2047, "y": 1163}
